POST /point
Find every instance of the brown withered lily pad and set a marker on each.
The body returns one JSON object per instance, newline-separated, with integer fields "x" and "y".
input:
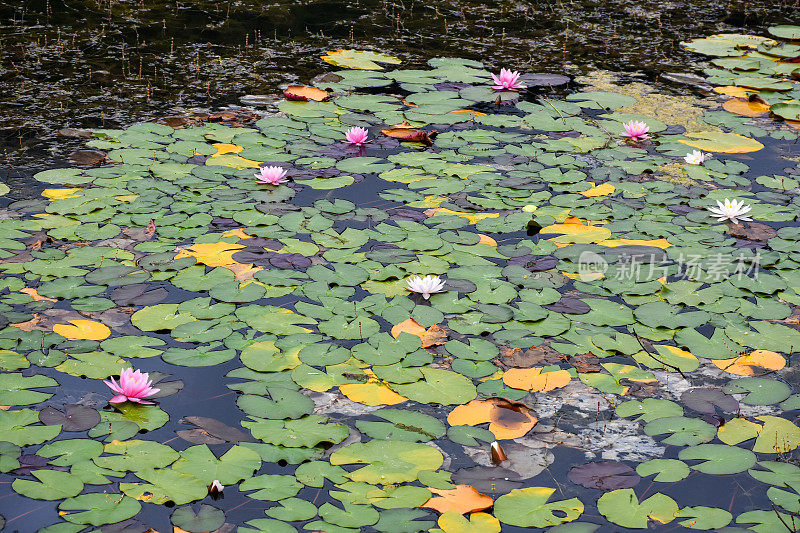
{"x": 507, "y": 419}
{"x": 407, "y": 132}
{"x": 304, "y": 93}
{"x": 87, "y": 158}
{"x": 753, "y": 231}
{"x": 533, "y": 356}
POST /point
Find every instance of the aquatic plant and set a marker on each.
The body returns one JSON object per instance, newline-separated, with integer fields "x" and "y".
{"x": 636, "y": 130}
{"x": 133, "y": 386}
{"x": 731, "y": 210}
{"x": 695, "y": 157}
{"x": 425, "y": 286}
{"x": 271, "y": 175}
{"x": 300, "y": 294}
{"x": 356, "y": 135}
{"x": 507, "y": 81}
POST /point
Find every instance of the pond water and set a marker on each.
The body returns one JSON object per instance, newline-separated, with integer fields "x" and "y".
{"x": 603, "y": 354}
{"x": 107, "y": 63}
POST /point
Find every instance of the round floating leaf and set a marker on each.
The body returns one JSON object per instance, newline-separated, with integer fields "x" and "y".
{"x": 649, "y": 409}
{"x": 83, "y": 329}
{"x": 160, "y": 317}
{"x": 777, "y": 436}
{"x": 272, "y": 487}
{"x": 705, "y": 518}
{"x": 787, "y": 110}
{"x": 292, "y": 510}
{"x": 623, "y": 508}
{"x": 439, "y": 386}
{"x": 267, "y": 524}
{"x": 759, "y": 391}
{"x": 98, "y": 509}
{"x": 668, "y": 470}
{"x": 785, "y": 31}
{"x": 52, "y": 485}
{"x": 15, "y": 426}
{"x": 729, "y": 143}
{"x": 14, "y": 388}
{"x": 234, "y": 465}
{"x": 454, "y": 522}
{"x": 314, "y": 473}
{"x": 707, "y": 400}
{"x": 305, "y": 432}
{"x": 461, "y": 498}
{"x": 719, "y": 458}
{"x": 136, "y": 455}
{"x": 72, "y": 418}
{"x": 283, "y": 403}
{"x": 388, "y": 461}
{"x": 164, "y": 485}
{"x": 507, "y": 419}
{"x": 528, "y": 507}
{"x": 403, "y": 425}
{"x": 207, "y": 518}
{"x": 71, "y": 451}
{"x": 737, "y": 430}
{"x": 757, "y": 362}
{"x": 359, "y": 59}
{"x": 682, "y": 431}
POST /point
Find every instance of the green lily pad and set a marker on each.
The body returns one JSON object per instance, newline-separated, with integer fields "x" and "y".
{"x": 359, "y": 59}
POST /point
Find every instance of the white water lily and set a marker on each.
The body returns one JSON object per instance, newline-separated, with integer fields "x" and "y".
{"x": 695, "y": 157}
{"x": 731, "y": 210}
{"x": 425, "y": 286}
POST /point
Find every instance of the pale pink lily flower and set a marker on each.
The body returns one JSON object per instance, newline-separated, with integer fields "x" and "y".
{"x": 636, "y": 130}
{"x": 507, "y": 81}
{"x": 132, "y": 387}
{"x": 271, "y": 175}
{"x": 356, "y": 135}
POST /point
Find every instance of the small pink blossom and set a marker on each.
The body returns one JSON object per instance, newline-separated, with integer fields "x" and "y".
{"x": 271, "y": 175}
{"x": 132, "y": 387}
{"x": 636, "y": 130}
{"x": 508, "y": 81}
{"x": 356, "y": 135}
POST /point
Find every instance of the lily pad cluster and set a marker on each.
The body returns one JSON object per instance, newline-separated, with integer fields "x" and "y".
{"x": 760, "y": 72}
{"x": 591, "y": 302}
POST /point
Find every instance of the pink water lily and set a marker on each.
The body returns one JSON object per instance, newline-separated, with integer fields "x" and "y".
{"x": 507, "y": 81}
{"x": 132, "y": 387}
{"x": 271, "y": 175}
{"x": 636, "y": 130}
{"x": 356, "y": 135}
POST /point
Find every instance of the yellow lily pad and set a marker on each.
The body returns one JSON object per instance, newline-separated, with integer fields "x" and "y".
{"x": 604, "y": 189}
{"x": 83, "y": 330}
{"x": 660, "y": 243}
{"x": 212, "y": 254}
{"x": 473, "y": 218}
{"x": 371, "y": 393}
{"x": 61, "y": 194}
{"x": 727, "y": 143}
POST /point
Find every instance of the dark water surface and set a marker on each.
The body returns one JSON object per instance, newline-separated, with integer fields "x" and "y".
{"x": 107, "y": 63}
